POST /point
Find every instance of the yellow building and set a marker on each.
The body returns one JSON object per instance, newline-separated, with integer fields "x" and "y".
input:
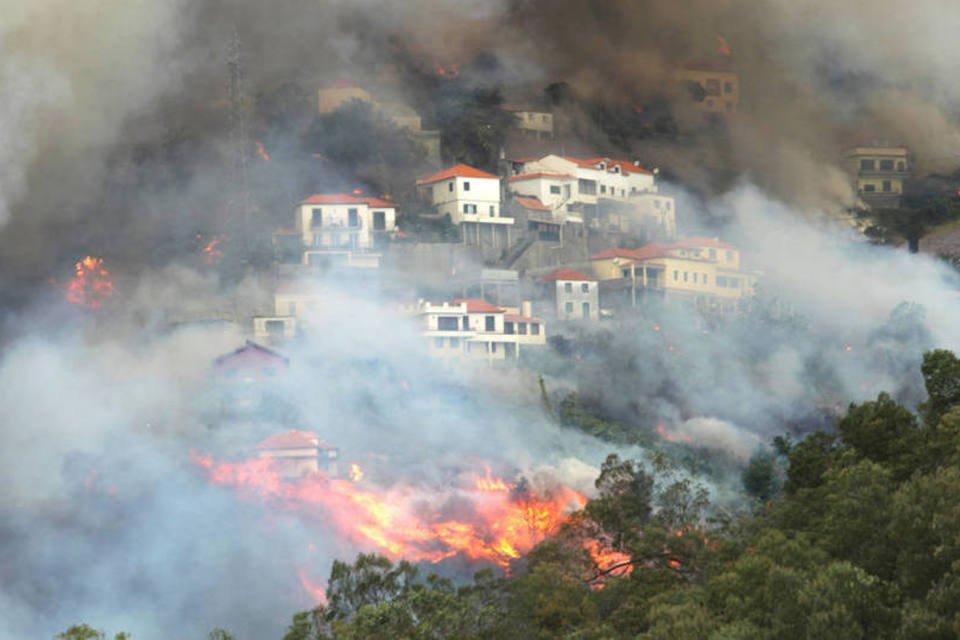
{"x": 712, "y": 86}
{"x": 704, "y": 271}
{"x": 878, "y": 170}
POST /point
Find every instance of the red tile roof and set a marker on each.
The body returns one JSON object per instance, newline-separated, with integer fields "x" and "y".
{"x": 476, "y": 305}
{"x": 531, "y": 203}
{"x": 657, "y": 250}
{"x": 293, "y": 440}
{"x": 565, "y": 274}
{"x": 540, "y": 174}
{"x": 346, "y": 198}
{"x": 456, "y": 171}
{"x": 626, "y": 167}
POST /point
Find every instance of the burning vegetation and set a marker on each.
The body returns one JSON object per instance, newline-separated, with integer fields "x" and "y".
{"x": 90, "y": 286}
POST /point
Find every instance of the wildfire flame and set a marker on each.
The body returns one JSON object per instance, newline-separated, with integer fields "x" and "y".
{"x": 90, "y": 284}
{"x": 670, "y": 436}
{"x": 315, "y": 591}
{"x": 262, "y": 152}
{"x": 723, "y": 47}
{"x": 356, "y": 473}
{"x": 211, "y": 249}
{"x": 494, "y": 522}
{"x": 450, "y": 71}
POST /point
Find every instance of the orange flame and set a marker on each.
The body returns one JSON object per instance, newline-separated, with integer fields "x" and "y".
{"x": 607, "y": 562}
{"x": 262, "y": 152}
{"x": 211, "y": 250}
{"x": 670, "y": 436}
{"x": 314, "y": 590}
{"x": 489, "y": 483}
{"x": 723, "y": 47}
{"x": 497, "y": 526}
{"x": 356, "y": 473}
{"x": 450, "y": 72}
{"x": 90, "y": 284}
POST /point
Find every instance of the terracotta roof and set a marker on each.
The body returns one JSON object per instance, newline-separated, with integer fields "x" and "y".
{"x": 531, "y": 203}
{"x": 476, "y": 305}
{"x": 565, "y": 274}
{"x": 626, "y": 167}
{"x": 346, "y": 198}
{"x": 511, "y": 317}
{"x": 540, "y": 174}
{"x": 293, "y": 440}
{"x": 614, "y": 253}
{"x": 456, "y": 171}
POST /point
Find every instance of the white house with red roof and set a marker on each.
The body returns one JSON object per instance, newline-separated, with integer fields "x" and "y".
{"x": 345, "y": 221}
{"x": 614, "y": 195}
{"x": 471, "y": 198}
{"x": 474, "y": 328}
{"x": 299, "y": 454}
{"x": 576, "y": 296}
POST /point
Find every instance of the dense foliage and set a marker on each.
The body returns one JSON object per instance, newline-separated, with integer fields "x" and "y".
{"x": 860, "y": 540}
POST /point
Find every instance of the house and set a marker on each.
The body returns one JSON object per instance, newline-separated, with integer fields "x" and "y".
{"x": 576, "y": 296}
{"x": 298, "y": 454}
{"x": 532, "y": 121}
{"x": 877, "y": 170}
{"x": 604, "y": 193}
{"x": 247, "y": 377}
{"x": 292, "y": 298}
{"x": 344, "y": 228}
{"x": 703, "y": 272}
{"x": 471, "y": 199}
{"x": 711, "y": 86}
{"x": 474, "y": 328}
{"x": 336, "y": 94}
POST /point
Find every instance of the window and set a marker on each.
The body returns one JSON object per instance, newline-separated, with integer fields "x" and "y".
{"x": 469, "y": 208}
{"x": 379, "y": 220}
{"x": 568, "y": 287}
{"x": 721, "y": 281}
{"x": 493, "y": 211}
{"x": 603, "y": 188}
{"x": 555, "y": 189}
{"x": 886, "y": 165}
{"x": 733, "y": 283}
{"x": 587, "y": 187}
{"x": 545, "y": 118}
{"x": 438, "y": 343}
{"x": 429, "y": 192}
{"x": 625, "y": 273}
{"x": 694, "y": 278}
{"x": 450, "y": 186}
{"x": 676, "y": 275}
{"x": 535, "y": 328}
{"x": 274, "y": 329}
{"x": 728, "y": 87}
{"x": 522, "y": 328}
{"x": 586, "y": 310}
{"x": 684, "y": 276}
{"x": 353, "y": 218}
{"x": 493, "y": 347}
{"x": 490, "y": 323}
{"x": 706, "y": 279}
{"x": 316, "y": 218}
{"x": 623, "y": 193}
{"x": 466, "y": 186}
{"x": 867, "y": 164}
{"x": 869, "y": 188}
{"x": 887, "y": 186}
{"x": 584, "y": 287}
{"x": 568, "y": 307}
{"x": 712, "y": 253}
{"x": 508, "y": 328}
{"x": 901, "y": 166}
{"x": 447, "y": 323}
{"x": 466, "y": 323}
{"x": 712, "y": 87}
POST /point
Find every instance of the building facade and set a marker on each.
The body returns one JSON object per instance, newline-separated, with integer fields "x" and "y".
{"x": 474, "y": 328}
{"x": 575, "y": 296}
{"x": 878, "y": 171}
{"x": 471, "y": 199}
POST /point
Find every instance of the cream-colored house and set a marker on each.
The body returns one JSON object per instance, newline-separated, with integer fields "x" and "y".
{"x": 344, "y": 221}
{"x": 878, "y": 170}
{"x": 299, "y": 454}
{"x": 705, "y": 271}
{"x": 534, "y": 122}
{"x": 474, "y": 328}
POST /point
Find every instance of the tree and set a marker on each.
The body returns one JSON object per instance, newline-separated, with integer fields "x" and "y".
{"x": 623, "y": 505}
{"x": 86, "y": 632}
{"x": 760, "y": 477}
{"x": 941, "y": 377}
{"x": 884, "y": 432}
